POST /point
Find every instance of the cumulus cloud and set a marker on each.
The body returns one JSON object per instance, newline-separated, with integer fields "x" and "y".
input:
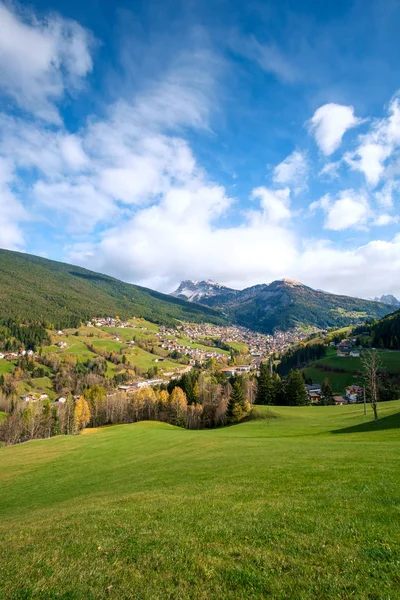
{"x": 275, "y": 203}
{"x": 41, "y": 59}
{"x": 348, "y": 209}
{"x": 376, "y": 146}
{"x": 329, "y": 124}
{"x": 293, "y": 171}
{"x": 12, "y": 211}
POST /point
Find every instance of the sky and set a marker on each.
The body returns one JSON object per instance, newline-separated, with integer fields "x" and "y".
{"x": 241, "y": 142}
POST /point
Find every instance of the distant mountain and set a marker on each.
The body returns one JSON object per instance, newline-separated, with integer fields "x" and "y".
{"x": 195, "y": 290}
{"x": 389, "y": 299}
{"x": 281, "y": 305}
{"x": 34, "y": 288}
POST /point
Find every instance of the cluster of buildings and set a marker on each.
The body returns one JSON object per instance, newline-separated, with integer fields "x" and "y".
{"x": 353, "y": 394}
{"x": 107, "y": 322}
{"x": 16, "y": 355}
{"x": 347, "y": 348}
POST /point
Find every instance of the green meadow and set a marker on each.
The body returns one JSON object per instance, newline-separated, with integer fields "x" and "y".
{"x": 298, "y": 503}
{"x": 351, "y": 365}
{"x": 6, "y": 366}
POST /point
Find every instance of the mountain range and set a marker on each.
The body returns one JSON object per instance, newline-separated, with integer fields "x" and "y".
{"x": 280, "y": 305}
{"x": 34, "y": 288}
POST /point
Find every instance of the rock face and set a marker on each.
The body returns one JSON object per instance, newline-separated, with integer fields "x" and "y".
{"x": 389, "y": 299}
{"x": 282, "y": 304}
{"x": 194, "y": 291}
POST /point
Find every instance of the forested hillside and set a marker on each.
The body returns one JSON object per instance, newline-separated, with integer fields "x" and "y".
{"x": 37, "y": 289}
{"x": 384, "y": 333}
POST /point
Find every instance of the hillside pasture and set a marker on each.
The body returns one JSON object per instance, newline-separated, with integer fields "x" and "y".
{"x": 301, "y": 504}
{"x": 6, "y": 366}
{"x": 351, "y": 365}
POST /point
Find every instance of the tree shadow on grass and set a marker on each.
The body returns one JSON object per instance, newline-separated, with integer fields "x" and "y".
{"x": 389, "y": 422}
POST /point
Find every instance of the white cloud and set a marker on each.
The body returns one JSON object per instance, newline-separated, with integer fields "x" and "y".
{"x": 275, "y": 203}
{"x": 293, "y": 171}
{"x": 11, "y": 210}
{"x": 80, "y": 204}
{"x": 329, "y": 123}
{"x": 377, "y": 145}
{"x": 348, "y": 209}
{"x": 385, "y": 219}
{"x": 41, "y": 59}
{"x": 177, "y": 239}
{"x": 343, "y": 271}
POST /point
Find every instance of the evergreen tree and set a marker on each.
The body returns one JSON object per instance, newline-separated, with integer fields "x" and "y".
{"x": 265, "y": 386}
{"x": 279, "y": 392}
{"x": 327, "y": 398}
{"x": 296, "y": 393}
{"x": 237, "y": 406}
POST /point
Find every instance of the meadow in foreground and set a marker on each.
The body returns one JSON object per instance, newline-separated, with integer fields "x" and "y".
{"x": 303, "y": 504}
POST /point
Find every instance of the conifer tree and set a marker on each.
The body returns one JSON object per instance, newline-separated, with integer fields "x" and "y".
{"x": 279, "y": 392}
{"x": 327, "y": 398}
{"x": 296, "y": 393}
{"x": 265, "y": 388}
{"x": 237, "y": 406}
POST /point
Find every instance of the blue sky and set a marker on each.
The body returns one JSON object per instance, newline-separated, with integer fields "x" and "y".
{"x": 242, "y": 142}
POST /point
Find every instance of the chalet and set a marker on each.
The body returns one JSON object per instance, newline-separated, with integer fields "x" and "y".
{"x": 314, "y": 392}
{"x": 339, "y": 400}
{"x": 353, "y": 394}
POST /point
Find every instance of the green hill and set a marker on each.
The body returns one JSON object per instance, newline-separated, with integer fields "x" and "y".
{"x": 282, "y": 304}
{"x": 34, "y": 288}
{"x": 299, "y": 506}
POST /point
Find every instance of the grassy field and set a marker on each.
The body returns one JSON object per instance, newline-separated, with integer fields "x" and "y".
{"x": 299, "y": 506}
{"x": 6, "y": 366}
{"x": 390, "y": 361}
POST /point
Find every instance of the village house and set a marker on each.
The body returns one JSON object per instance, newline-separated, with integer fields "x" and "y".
{"x": 314, "y": 392}
{"x": 354, "y": 394}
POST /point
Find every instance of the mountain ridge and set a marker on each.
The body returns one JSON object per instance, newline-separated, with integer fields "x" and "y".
{"x": 282, "y": 304}
{"x": 33, "y": 288}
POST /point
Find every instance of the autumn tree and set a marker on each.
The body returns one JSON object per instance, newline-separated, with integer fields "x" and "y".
{"x": 178, "y": 405}
{"x": 81, "y": 414}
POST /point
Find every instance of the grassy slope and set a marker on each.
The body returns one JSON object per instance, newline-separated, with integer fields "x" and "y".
{"x": 32, "y": 288}
{"x": 338, "y": 381}
{"x": 281, "y": 508}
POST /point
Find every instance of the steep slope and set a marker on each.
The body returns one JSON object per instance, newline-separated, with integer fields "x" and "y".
{"x": 286, "y": 303}
{"x": 385, "y": 332}
{"x": 33, "y": 288}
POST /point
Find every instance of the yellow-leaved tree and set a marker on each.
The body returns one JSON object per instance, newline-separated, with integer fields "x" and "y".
{"x": 178, "y": 406}
{"x": 81, "y": 414}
